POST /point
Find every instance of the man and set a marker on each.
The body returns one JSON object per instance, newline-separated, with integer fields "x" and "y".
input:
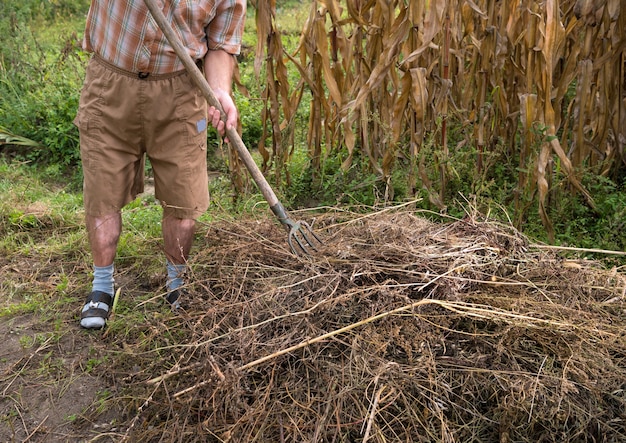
{"x": 137, "y": 99}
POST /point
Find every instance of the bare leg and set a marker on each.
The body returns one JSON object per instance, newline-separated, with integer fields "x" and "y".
{"x": 104, "y": 233}
{"x": 177, "y": 238}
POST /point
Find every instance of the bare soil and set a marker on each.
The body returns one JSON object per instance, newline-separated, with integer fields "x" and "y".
{"x": 46, "y": 388}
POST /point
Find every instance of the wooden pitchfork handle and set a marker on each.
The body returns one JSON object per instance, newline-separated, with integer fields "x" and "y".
{"x": 277, "y": 208}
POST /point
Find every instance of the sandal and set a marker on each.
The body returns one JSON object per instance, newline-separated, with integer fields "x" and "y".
{"x": 173, "y": 298}
{"x": 96, "y": 310}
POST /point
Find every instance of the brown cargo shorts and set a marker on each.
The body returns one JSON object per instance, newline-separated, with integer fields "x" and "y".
{"x": 122, "y": 117}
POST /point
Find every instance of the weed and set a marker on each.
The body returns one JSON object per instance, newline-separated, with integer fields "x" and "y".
{"x": 102, "y": 398}
{"x": 93, "y": 363}
{"x": 40, "y": 82}
{"x": 27, "y": 342}
{"x": 28, "y": 306}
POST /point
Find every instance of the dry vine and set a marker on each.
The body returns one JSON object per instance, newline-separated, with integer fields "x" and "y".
{"x": 400, "y": 329}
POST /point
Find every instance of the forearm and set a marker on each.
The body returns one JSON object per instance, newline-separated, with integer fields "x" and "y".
{"x": 219, "y": 68}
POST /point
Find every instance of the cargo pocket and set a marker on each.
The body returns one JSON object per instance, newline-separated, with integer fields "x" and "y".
{"x": 88, "y": 118}
{"x": 192, "y": 113}
{"x": 89, "y": 129}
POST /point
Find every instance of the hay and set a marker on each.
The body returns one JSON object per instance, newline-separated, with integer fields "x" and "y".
{"x": 398, "y": 329}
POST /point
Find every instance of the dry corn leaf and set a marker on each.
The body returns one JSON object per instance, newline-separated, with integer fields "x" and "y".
{"x": 382, "y": 74}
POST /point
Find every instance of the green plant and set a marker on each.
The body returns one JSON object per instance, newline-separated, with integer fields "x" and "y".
{"x": 603, "y": 228}
{"x": 40, "y": 78}
{"x": 12, "y": 11}
{"x": 93, "y": 363}
{"x": 27, "y": 306}
{"x": 7, "y": 138}
{"x": 357, "y": 185}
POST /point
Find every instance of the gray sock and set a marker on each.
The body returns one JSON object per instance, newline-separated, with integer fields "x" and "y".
{"x": 175, "y": 275}
{"x": 103, "y": 279}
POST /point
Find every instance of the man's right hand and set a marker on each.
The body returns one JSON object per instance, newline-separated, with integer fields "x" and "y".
{"x": 232, "y": 115}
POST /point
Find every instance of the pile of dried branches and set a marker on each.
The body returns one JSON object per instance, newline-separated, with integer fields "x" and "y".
{"x": 398, "y": 329}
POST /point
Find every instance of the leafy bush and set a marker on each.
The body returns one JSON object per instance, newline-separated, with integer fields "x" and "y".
{"x": 604, "y": 227}
{"x": 27, "y": 10}
{"x": 41, "y": 76}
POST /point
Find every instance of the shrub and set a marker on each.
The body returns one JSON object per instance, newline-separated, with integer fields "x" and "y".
{"x": 40, "y": 77}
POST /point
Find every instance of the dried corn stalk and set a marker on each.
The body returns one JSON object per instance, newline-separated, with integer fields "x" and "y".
{"x": 384, "y": 74}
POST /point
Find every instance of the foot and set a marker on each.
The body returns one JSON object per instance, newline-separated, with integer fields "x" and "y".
{"x": 174, "y": 298}
{"x": 96, "y": 310}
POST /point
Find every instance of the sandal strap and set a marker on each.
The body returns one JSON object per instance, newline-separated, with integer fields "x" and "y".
{"x": 172, "y": 297}
{"x": 99, "y": 297}
{"x": 95, "y": 312}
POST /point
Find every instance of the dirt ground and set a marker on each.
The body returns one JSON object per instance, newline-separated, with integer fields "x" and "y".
{"x": 52, "y": 388}
{"x": 49, "y": 391}
{"x": 46, "y": 388}
{"x": 54, "y": 380}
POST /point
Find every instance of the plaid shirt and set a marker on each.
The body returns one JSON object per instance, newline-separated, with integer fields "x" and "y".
{"x": 124, "y": 33}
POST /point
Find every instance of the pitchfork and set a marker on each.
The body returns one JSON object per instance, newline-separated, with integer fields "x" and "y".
{"x": 300, "y": 233}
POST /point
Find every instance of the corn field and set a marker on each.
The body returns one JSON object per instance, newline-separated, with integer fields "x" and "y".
{"x": 387, "y": 80}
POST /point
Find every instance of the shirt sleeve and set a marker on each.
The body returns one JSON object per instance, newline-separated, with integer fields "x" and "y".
{"x": 225, "y": 31}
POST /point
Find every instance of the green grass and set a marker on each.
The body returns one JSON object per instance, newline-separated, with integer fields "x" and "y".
{"x": 35, "y": 209}
{"x": 27, "y": 306}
